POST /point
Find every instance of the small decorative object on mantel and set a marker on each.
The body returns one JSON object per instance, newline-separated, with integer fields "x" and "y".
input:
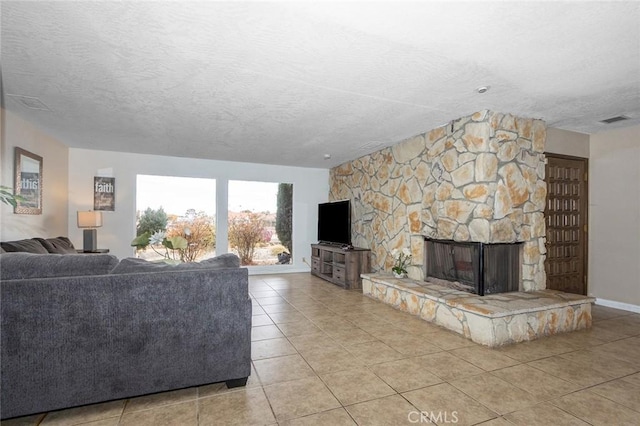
{"x": 402, "y": 259}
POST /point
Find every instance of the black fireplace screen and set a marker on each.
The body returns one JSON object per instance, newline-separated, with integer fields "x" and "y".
{"x": 474, "y": 267}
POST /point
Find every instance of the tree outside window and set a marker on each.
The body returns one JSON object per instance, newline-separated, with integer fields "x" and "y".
{"x": 260, "y": 222}
{"x": 181, "y": 209}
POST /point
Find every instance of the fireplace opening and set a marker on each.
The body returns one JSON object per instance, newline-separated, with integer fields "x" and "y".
{"x": 478, "y": 268}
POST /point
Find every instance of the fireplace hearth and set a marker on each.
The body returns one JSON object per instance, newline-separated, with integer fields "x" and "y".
{"x": 474, "y": 267}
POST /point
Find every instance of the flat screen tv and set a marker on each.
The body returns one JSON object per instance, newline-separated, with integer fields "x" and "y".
{"x": 334, "y": 222}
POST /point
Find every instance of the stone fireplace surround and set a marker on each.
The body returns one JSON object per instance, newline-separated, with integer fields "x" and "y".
{"x": 493, "y": 320}
{"x": 479, "y": 178}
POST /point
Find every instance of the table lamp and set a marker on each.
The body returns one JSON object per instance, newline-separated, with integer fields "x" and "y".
{"x": 89, "y": 220}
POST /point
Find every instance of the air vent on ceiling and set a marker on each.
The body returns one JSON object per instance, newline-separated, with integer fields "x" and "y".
{"x": 614, "y": 119}
{"x": 29, "y": 102}
{"x": 368, "y": 146}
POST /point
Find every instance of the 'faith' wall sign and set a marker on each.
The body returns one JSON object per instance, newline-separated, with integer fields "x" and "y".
{"x": 104, "y": 193}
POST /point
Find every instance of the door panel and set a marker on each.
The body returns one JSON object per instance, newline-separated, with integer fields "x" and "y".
{"x": 566, "y": 217}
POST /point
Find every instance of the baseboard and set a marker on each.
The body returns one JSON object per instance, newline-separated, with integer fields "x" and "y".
{"x": 276, "y": 269}
{"x": 618, "y": 305}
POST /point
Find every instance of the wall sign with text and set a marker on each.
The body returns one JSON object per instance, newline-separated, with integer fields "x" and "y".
{"x": 27, "y": 182}
{"x": 104, "y": 193}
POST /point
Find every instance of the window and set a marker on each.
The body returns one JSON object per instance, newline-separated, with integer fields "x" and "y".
{"x": 176, "y": 211}
{"x": 260, "y": 222}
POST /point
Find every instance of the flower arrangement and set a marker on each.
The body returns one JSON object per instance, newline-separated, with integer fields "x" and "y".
{"x": 175, "y": 244}
{"x": 402, "y": 259}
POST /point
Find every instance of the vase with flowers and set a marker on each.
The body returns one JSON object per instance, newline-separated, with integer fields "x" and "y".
{"x": 177, "y": 244}
{"x": 401, "y": 261}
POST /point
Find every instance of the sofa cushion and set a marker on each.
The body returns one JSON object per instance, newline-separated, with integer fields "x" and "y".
{"x": 17, "y": 266}
{"x": 24, "y": 246}
{"x": 133, "y": 265}
{"x": 60, "y": 245}
{"x": 47, "y": 245}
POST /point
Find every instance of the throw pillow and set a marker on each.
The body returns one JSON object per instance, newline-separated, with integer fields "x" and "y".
{"x": 24, "y": 246}
{"x": 46, "y": 244}
{"x": 18, "y": 266}
{"x": 62, "y": 245}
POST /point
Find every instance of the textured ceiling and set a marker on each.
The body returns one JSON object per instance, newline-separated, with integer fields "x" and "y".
{"x": 286, "y": 83}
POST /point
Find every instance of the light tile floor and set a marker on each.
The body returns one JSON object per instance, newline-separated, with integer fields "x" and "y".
{"x": 326, "y": 356}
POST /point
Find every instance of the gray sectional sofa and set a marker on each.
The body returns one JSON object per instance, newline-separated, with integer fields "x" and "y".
{"x": 79, "y": 329}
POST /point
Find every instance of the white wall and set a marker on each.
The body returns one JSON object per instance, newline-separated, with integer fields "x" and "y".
{"x": 53, "y": 220}
{"x": 311, "y": 186}
{"x": 566, "y": 142}
{"x": 614, "y": 230}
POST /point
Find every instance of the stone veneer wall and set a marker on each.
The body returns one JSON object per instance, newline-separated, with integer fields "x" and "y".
{"x": 480, "y": 178}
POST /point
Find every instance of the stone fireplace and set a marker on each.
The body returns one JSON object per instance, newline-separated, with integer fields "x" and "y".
{"x": 477, "y": 268}
{"x": 476, "y": 189}
{"x": 479, "y": 179}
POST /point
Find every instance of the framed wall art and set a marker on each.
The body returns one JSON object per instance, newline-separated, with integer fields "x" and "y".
{"x": 28, "y": 182}
{"x": 104, "y": 193}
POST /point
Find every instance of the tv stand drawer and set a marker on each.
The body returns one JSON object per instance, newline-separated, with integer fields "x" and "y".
{"x": 315, "y": 264}
{"x": 339, "y": 273}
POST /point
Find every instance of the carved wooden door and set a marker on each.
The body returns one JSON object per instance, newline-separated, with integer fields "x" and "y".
{"x": 566, "y": 219}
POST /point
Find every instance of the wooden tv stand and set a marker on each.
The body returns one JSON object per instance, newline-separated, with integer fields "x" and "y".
{"x": 340, "y": 266}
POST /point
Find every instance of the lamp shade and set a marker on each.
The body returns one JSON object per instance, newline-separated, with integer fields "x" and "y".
{"x": 89, "y": 219}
